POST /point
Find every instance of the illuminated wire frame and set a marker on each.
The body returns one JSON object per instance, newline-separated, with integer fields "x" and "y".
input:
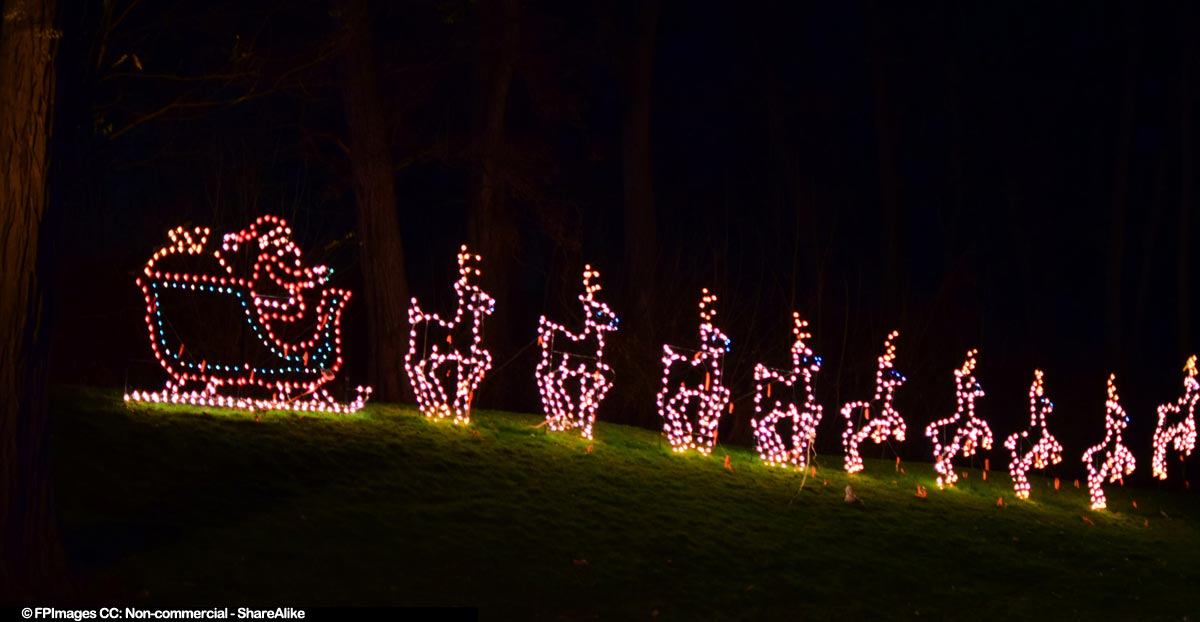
{"x": 443, "y": 360}
{"x": 590, "y": 374}
{"x": 770, "y": 444}
{"x": 1181, "y": 435}
{"x": 887, "y": 420}
{"x": 1045, "y": 451}
{"x": 966, "y": 437}
{"x": 290, "y": 342}
{"x": 710, "y": 398}
{"x": 1118, "y": 460}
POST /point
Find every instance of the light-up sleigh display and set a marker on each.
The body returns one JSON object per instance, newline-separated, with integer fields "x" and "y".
{"x": 244, "y": 324}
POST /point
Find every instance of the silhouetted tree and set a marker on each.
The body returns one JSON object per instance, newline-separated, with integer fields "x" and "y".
{"x": 30, "y": 553}
{"x": 381, "y": 252}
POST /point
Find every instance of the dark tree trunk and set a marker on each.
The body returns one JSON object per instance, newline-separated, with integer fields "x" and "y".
{"x": 381, "y": 251}
{"x": 889, "y": 176}
{"x": 493, "y": 225}
{"x": 1120, "y": 195}
{"x": 31, "y": 561}
{"x": 637, "y": 171}
{"x": 1183, "y": 275}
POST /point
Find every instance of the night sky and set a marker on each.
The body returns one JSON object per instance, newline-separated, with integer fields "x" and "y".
{"x": 1007, "y": 176}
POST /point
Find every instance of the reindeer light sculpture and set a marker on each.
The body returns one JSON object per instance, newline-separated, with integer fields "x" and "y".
{"x": 1045, "y": 451}
{"x": 887, "y": 420}
{"x": 709, "y": 398}
{"x": 1118, "y": 460}
{"x": 465, "y": 364}
{"x": 967, "y": 437}
{"x": 1181, "y": 435}
{"x": 591, "y": 374}
{"x": 282, "y": 341}
{"x": 770, "y": 444}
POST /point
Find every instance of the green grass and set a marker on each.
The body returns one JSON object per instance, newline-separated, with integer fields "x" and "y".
{"x": 174, "y": 505}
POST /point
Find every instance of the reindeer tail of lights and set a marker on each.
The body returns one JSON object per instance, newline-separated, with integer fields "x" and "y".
{"x": 1181, "y": 434}
{"x": 1044, "y": 450}
{"x": 1118, "y": 461}
{"x": 804, "y": 418}
{"x": 444, "y": 374}
{"x": 965, "y": 435}
{"x": 708, "y": 397}
{"x": 245, "y": 325}
{"x": 572, "y": 386}
{"x": 885, "y": 420}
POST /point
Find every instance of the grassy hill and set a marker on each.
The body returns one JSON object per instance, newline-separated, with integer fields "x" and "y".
{"x": 192, "y": 506}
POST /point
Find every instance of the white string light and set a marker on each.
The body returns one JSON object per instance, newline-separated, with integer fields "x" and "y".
{"x": 1118, "y": 460}
{"x": 887, "y": 421}
{"x": 592, "y": 376}
{"x": 1045, "y": 451}
{"x": 270, "y": 298}
{"x": 710, "y": 398}
{"x": 1181, "y": 435}
{"x": 966, "y": 437}
{"x": 465, "y": 365}
{"x": 770, "y": 444}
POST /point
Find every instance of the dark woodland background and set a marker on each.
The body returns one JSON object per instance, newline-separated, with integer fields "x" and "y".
{"x": 1011, "y": 176}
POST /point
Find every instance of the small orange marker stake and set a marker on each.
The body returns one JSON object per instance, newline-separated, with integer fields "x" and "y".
{"x": 768, "y": 389}
{"x": 1000, "y": 502}
{"x": 966, "y": 474}
{"x": 985, "y": 476}
{"x": 727, "y": 465}
{"x": 1135, "y": 505}
{"x": 449, "y": 338}
{"x": 867, "y": 416}
{"x": 181, "y": 347}
{"x": 1077, "y": 483}
{"x": 902, "y": 471}
{"x": 921, "y": 491}
{"x": 707, "y": 380}
{"x": 897, "y": 463}
{"x": 306, "y": 358}
{"x": 1056, "y": 483}
{"x": 987, "y": 465}
{"x": 813, "y": 470}
{"x": 731, "y": 408}
{"x": 591, "y": 446}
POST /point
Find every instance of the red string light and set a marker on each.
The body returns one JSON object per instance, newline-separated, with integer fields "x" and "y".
{"x": 966, "y": 437}
{"x": 886, "y": 421}
{"x": 591, "y": 376}
{"x": 270, "y": 297}
{"x": 466, "y": 366}
{"x": 709, "y": 398}
{"x": 1181, "y": 435}
{"x": 805, "y": 418}
{"x": 1045, "y": 451}
{"x": 1118, "y": 460}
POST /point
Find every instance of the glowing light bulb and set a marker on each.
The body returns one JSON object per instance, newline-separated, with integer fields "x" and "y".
{"x": 270, "y": 296}
{"x": 709, "y": 398}
{"x": 966, "y": 437}
{"x": 1182, "y": 434}
{"x": 805, "y": 418}
{"x": 572, "y": 386}
{"x": 1045, "y": 449}
{"x": 1118, "y": 460}
{"x": 443, "y": 360}
{"x": 882, "y": 418}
